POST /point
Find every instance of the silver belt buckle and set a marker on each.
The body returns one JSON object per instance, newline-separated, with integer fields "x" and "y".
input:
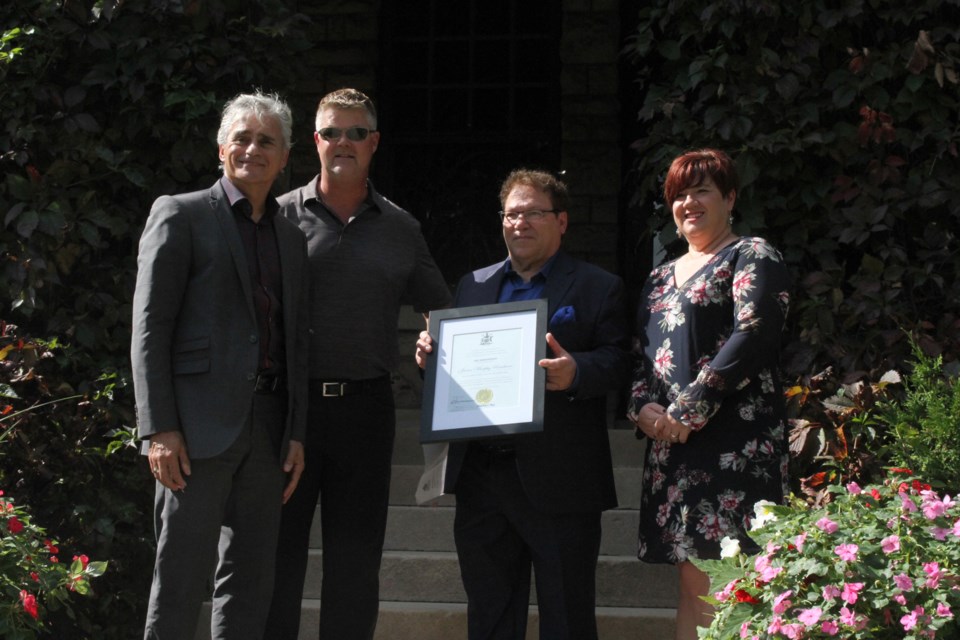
{"x": 332, "y": 389}
{"x": 267, "y": 383}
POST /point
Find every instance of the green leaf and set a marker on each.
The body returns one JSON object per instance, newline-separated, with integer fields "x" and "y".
{"x": 844, "y": 95}
{"x": 7, "y": 391}
{"x": 27, "y": 223}
{"x": 669, "y": 49}
{"x": 19, "y": 187}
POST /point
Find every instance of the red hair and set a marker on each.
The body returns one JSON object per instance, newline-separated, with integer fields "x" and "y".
{"x": 693, "y": 167}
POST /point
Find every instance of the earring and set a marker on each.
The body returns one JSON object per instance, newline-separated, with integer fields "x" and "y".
{"x": 730, "y": 220}
{"x": 679, "y": 233}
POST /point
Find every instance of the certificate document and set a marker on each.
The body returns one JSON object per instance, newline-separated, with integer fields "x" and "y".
{"x": 482, "y": 378}
{"x": 487, "y": 367}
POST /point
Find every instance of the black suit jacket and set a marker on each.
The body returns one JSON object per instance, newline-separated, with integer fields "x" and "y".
{"x": 566, "y": 468}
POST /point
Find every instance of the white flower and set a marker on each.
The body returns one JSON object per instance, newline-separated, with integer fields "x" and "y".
{"x": 729, "y": 547}
{"x": 762, "y": 514}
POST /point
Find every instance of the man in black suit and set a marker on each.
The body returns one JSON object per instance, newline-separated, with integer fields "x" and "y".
{"x": 219, "y": 371}
{"x": 537, "y": 498}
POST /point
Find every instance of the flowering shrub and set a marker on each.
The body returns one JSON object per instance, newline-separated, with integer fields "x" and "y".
{"x": 879, "y": 562}
{"x": 32, "y": 577}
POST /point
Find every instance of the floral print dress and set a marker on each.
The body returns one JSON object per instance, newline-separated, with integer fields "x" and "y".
{"x": 708, "y": 350}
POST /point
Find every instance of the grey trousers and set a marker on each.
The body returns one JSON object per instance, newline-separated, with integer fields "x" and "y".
{"x": 227, "y": 517}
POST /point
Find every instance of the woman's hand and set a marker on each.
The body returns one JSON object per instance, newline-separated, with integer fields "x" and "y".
{"x": 646, "y": 419}
{"x": 671, "y": 430}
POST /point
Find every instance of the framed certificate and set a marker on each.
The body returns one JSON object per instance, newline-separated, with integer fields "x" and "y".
{"x": 482, "y": 378}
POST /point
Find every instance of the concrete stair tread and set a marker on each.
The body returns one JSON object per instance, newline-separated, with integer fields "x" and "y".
{"x": 434, "y": 576}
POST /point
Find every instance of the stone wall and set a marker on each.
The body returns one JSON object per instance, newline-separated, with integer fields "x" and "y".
{"x": 590, "y": 126}
{"x": 344, "y": 54}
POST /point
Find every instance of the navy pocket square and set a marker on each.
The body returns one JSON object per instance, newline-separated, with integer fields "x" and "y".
{"x": 563, "y": 315}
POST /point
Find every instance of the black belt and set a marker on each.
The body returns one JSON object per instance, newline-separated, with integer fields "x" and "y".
{"x": 269, "y": 383}
{"x": 496, "y": 448}
{"x": 343, "y": 388}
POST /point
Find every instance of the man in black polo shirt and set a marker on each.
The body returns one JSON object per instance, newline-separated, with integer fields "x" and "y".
{"x": 367, "y": 256}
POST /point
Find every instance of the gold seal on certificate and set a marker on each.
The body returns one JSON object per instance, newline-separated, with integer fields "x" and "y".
{"x": 484, "y": 396}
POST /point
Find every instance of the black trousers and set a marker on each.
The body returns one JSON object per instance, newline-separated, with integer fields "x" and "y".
{"x": 349, "y": 451}
{"x": 499, "y": 534}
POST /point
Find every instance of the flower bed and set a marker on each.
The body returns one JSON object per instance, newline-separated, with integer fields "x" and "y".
{"x": 877, "y": 562}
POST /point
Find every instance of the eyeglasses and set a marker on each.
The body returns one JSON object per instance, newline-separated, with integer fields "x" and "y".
{"x": 356, "y": 134}
{"x": 534, "y": 215}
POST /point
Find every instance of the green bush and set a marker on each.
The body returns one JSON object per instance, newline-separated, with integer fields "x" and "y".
{"x": 842, "y": 117}
{"x": 924, "y": 425}
{"x": 106, "y": 105}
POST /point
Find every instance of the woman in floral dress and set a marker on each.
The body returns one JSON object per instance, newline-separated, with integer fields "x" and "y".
{"x": 705, "y": 391}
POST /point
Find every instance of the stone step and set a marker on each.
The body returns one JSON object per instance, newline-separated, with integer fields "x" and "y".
{"x": 431, "y": 529}
{"x": 434, "y": 576}
{"x": 448, "y": 621}
{"x": 626, "y": 449}
{"x": 404, "y": 479}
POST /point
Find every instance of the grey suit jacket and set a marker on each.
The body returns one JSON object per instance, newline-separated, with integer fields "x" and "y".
{"x": 567, "y": 468}
{"x": 195, "y": 342}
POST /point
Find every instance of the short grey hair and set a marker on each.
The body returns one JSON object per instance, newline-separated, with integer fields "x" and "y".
{"x": 348, "y": 98}
{"x": 261, "y": 105}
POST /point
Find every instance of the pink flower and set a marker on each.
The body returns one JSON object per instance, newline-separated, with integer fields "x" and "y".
{"x": 854, "y": 488}
{"x": 851, "y": 619}
{"x": 847, "y": 617}
{"x": 724, "y": 595}
{"x": 827, "y": 525}
{"x": 810, "y": 617}
{"x": 890, "y": 544}
{"x": 932, "y": 569}
{"x": 907, "y": 504}
{"x": 900, "y": 599}
{"x": 765, "y": 569}
{"x": 910, "y": 620}
{"x": 903, "y": 582}
{"x": 933, "y": 507}
{"x": 851, "y": 592}
{"x": 792, "y": 631}
{"x": 943, "y": 610}
{"x": 831, "y": 592}
{"x": 847, "y": 552}
{"x": 939, "y": 533}
{"x": 775, "y": 625}
{"x": 801, "y": 539}
{"x": 830, "y": 627}
{"x": 745, "y": 629}
{"x": 781, "y": 602}
{"x": 956, "y": 528}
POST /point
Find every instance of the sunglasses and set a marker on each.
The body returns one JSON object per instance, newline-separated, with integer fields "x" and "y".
{"x": 353, "y": 133}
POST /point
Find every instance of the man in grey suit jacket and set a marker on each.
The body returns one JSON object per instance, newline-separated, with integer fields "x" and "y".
{"x": 219, "y": 373}
{"x": 537, "y": 498}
